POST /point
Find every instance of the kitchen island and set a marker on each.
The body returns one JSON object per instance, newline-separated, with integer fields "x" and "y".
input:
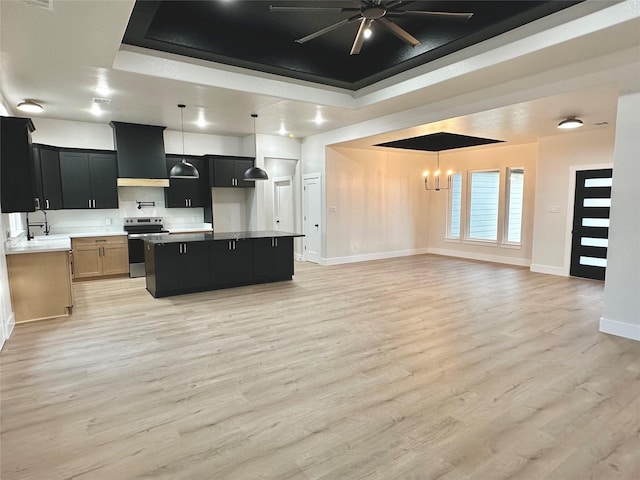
{"x": 186, "y": 263}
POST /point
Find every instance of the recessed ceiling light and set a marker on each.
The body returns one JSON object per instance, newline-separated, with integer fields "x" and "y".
{"x": 569, "y": 123}
{"x": 30, "y": 106}
{"x": 96, "y": 110}
{"x": 282, "y": 130}
{"x": 319, "y": 120}
{"x": 201, "y": 122}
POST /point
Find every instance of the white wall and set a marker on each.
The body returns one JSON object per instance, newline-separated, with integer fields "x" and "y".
{"x": 485, "y": 158}
{"x": 622, "y": 285}
{"x": 375, "y": 205}
{"x": 558, "y": 157}
{"x": 7, "y": 319}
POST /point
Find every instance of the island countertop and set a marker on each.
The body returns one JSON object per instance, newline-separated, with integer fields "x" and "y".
{"x": 203, "y": 237}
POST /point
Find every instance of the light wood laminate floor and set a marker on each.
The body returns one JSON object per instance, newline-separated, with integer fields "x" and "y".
{"x": 418, "y": 368}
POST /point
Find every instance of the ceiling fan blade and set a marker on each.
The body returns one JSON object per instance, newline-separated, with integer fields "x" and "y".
{"x": 328, "y": 29}
{"x": 418, "y": 13}
{"x": 399, "y": 32}
{"x": 277, "y": 8}
{"x": 359, "y": 40}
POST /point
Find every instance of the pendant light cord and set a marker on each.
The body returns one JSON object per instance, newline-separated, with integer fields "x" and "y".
{"x": 182, "y": 127}
{"x": 255, "y": 136}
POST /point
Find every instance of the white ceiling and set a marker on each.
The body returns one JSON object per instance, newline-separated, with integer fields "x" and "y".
{"x": 59, "y": 57}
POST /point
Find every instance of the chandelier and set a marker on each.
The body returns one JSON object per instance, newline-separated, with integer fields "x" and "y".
{"x": 434, "y": 182}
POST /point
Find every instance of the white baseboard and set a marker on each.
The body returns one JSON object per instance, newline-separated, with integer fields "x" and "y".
{"x": 549, "y": 270}
{"x": 298, "y": 257}
{"x": 521, "y": 262}
{"x": 620, "y": 329}
{"x": 8, "y": 329}
{"x": 372, "y": 256}
{"x": 10, "y": 324}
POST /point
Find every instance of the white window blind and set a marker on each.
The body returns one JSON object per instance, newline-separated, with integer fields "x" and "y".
{"x": 483, "y": 205}
{"x": 515, "y": 196}
{"x": 455, "y": 206}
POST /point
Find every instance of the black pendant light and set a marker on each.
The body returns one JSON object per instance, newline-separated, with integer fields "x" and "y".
{"x": 255, "y": 173}
{"x": 183, "y": 169}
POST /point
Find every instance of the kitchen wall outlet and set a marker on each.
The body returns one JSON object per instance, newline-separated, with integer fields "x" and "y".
{"x": 554, "y": 209}
{"x": 333, "y": 209}
{"x": 107, "y": 221}
{"x": 355, "y": 247}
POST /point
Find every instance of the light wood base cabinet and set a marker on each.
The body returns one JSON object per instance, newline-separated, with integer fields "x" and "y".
{"x": 100, "y": 256}
{"x": 40, "y": 285}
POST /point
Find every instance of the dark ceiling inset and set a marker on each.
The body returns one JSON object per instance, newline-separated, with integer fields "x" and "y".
{"x": 248, "y": 34}
{"x": 436, "y": 142}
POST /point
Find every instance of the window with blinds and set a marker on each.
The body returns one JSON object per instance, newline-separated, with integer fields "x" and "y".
{"x": 455, "y": 206}
{"x": 515, "y": 198}
{"x": 484, "y": 195}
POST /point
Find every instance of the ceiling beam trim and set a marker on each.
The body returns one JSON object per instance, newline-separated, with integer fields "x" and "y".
{"x": 149, "y": 62}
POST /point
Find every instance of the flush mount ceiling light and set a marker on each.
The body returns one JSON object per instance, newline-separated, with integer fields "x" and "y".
{"x": 183, "y": 169}
{"x": 569, "y": 123}
{"x": 255, "y": 173}
{"x": 30, "y": 106}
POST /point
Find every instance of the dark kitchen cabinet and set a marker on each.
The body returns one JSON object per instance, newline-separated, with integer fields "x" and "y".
{"x": 89, "y": 180}
{"x": 231, "y": 263}
{"x": 228, "y": 172}
{"x": 17, "y": 168}
{"x": 47, "y": 177}
{"x": 179, "y": 267}
{"x": 186, "y": 192}
{"x": 272, "y": 259}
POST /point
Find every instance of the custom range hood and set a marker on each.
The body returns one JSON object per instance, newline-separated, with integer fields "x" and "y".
{"x": 141, "y": 156}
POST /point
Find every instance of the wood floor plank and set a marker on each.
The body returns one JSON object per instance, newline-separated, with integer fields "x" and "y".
{"x": 421, "y": 367}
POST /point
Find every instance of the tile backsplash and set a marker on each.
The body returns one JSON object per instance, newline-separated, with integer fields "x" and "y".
{"x": 111, "y": 220}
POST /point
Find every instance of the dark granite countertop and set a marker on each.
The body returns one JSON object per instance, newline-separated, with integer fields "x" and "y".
{"x": 203, "y": 237}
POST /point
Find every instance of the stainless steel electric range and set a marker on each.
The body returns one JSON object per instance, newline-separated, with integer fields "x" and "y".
{"x": 137, "y": 229}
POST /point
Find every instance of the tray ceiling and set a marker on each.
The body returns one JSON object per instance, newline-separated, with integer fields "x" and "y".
{"x": 249, "y": 34}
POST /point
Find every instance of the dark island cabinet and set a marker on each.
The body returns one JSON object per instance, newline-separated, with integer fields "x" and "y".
{"x": 89, "y": 180}
{"x": 188, "y": 193}
{"x": 17, "y": 168}
{"x": 231, "y": 263}
{"x": 228, "y": 172}
{"x": 48, "y": 180}
{"x": 272, "y": 259}
{"x": 173, "y": 268}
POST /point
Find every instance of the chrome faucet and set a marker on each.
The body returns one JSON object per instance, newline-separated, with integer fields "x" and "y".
{"x": 44, "y": 225}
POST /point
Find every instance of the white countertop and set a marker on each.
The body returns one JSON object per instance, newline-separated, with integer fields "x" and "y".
{"x": 191, "y": 230}
{"x": 52, "y": 243}
{"x": 62, "y": 241}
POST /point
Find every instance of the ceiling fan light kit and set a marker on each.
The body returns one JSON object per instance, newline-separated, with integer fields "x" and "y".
{"x": 370, "y": 12}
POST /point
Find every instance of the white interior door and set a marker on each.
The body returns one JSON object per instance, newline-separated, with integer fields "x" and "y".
{"x": 283, "y": 204}
{"x": 312, "y": 196}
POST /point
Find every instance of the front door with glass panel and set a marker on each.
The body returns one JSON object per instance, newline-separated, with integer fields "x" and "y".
{"x": 591, "y": 223}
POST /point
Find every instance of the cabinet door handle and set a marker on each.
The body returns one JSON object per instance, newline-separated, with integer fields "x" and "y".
{"x": 276, "y": 242}
{"x": 37, "y": 202}
{"x": 184, "y": 248}
{"x": 46, "y": 204}
{"x": 233, "y": 243}
{"x": 89, "y": 203}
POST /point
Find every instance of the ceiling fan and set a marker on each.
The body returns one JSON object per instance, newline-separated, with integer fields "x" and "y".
{"x": 368, "y": 12}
